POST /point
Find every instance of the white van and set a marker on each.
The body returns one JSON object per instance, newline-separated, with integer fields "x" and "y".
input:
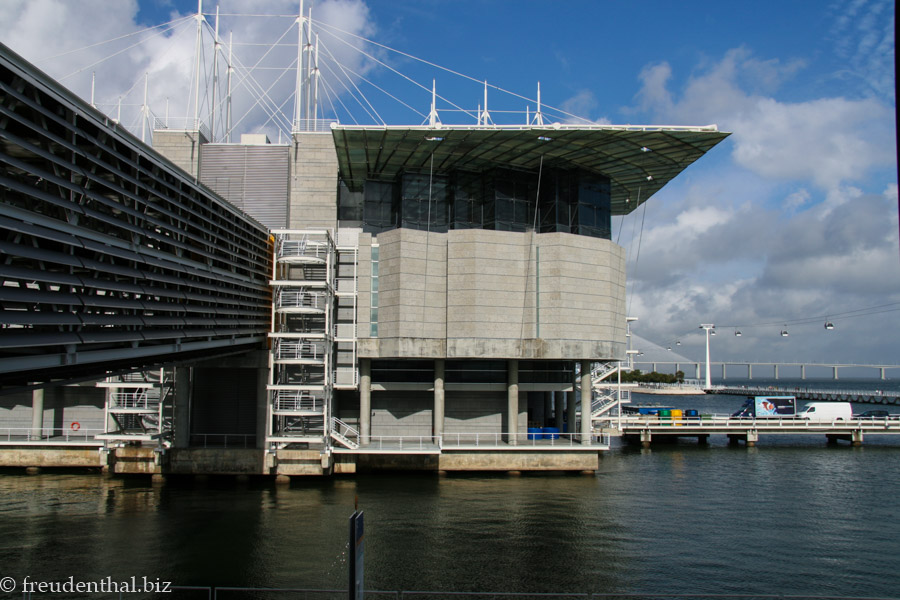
{"x": 827, "y": 411}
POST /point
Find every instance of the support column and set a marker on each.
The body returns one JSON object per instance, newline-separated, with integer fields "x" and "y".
{"x": 262, "y": 406}
{"x": 182, "y": 414}
{"x": 749, "y": 371}
{"x": 776, "y": 371}
{"x": 586, "y": 402}
{"x": 438, "y": 412}
{"x": 558, "y": 399}
{"x": 570, "y": 410}
{"x": 512, "y": 401}
{"x": 834, "y": 369}
{"x": 724, "y": 375}
{"x": 803, "y": 371}
{"x": 856, "y": 438}
{"x": 365, "y": 399}
{"x": 882, "y": 373}
{"x": 752, "y": 438}
{"x": 548, "y": 408}
{"x": 37, "y": 413}
{"x": 697, "y": 376}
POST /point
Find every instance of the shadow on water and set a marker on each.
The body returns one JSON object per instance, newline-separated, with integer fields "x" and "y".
{"x": 678, "y": 518}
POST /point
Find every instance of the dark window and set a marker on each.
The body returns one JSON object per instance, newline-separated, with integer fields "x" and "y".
{"x": 379, "y": 212}
{"x": 350, "y": 204}
{"x": 424, "y": 202}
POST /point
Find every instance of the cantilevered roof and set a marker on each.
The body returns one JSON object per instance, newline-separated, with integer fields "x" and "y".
{"x": 639, "y": 160}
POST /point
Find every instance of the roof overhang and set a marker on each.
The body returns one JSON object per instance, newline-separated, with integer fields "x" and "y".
{"x": 639, "y": 160}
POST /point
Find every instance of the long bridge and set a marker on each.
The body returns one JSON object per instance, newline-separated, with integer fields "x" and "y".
{"x": 777, "y": 368}
{"x": 644, "y": 428}
{"x": 803, "y": 393}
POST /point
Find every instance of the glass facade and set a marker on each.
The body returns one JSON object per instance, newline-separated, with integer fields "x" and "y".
{"x": 568, "y": 201}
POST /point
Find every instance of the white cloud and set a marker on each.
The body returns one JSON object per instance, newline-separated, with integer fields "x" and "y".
{"x": 39, "y": 29}
{"x": 827, "y": 141}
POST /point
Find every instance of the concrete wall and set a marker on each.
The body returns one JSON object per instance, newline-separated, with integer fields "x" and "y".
{"x": 477, "y": 412}
{"x": 493, "y": 294}
{"x": 181, "y": 147}
{"x": 313, "y": 181}
{"x": 406, "y": 413}
{"x": 63, "y": 405}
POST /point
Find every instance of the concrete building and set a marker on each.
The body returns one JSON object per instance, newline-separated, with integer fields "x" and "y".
{"x": 441, "y": 291}
{"x": 442, "y": 297}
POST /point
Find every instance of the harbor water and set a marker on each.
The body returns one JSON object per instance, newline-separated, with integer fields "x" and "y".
{"x": 791, "y": 516}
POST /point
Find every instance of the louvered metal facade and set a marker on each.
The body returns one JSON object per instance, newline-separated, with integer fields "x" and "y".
{"x": 254, "y": 178}
{"x": 110, "y": 256}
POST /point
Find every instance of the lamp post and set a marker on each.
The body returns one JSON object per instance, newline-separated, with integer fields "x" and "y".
{"x": 708, "y": 327}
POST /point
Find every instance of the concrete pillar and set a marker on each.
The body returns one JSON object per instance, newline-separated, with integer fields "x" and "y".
{"x": 37, "y": 413}
{"x": 548, "y": 408}
{"x": 512, "y": 401}
{"x": 724, "y": 375}
{"x": 776, "y": 371}
{"x": 856, "y": 438}
{"x": 262, "y": 407}
{"x": 570, "y": 412}
{"x": 653, "y": 367}
{"x": 882, "y": 372}
{"x": 558, "y": 399}
{"x": 752, "y": 438}
{"x": 438, "y": 412}
{"x": 697, "y": 370}
{"x": 646, "y": 438}
{"x": 586, "y": 402}
{"x": 802, "y": 371}
{"x": 834, "y": 369}
{"x": 111, "y": 424}
{"x": 749, "y": 371}
{"x": 365, "y": 399}
{"x": 182, "y": 414}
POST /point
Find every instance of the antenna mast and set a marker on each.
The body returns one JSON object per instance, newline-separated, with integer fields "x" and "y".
{"x": 215, "y": 84}
{"x": 298, "y": 94}
{"x": 197, "y": 68}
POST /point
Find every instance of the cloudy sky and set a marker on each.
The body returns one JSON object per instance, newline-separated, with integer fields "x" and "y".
{"x": 790, "y": 222}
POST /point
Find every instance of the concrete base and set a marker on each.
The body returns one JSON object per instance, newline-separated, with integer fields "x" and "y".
{"x": 50, "y": 457}
{"x": 300, "y": 462}
{"x": 216, "y": 461}
{"x": 519, "y": 461}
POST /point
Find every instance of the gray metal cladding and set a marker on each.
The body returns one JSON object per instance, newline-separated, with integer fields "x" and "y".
{"x": 110, "y": 256}
{"x": 253, "y": 178}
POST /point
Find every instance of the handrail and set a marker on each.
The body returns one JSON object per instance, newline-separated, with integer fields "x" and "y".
{"x": 57, "y": 434}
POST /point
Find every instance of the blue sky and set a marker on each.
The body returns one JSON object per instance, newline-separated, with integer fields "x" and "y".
{"x": 793, "y": 218}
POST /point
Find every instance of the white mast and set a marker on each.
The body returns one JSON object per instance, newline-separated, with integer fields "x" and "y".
{"x": 298, "y": 98}
{"x": 538, "y": 117}
{"x": 433, "y": 119}
{"x": 197, "y": 67}
{"x": 145, "y": 110}
{"x": 315, "y": 101}
{"x": 228, "y": 84}
{"x": 485, "y": 116}
{"x": 215, "y": 85}
{"x": 309, "y": 57}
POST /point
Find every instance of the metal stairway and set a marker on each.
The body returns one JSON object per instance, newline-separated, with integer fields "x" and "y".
{"x": 300, "y": 363}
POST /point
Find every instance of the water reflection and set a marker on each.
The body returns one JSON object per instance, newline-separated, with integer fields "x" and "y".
{"x": 681, "y": 518}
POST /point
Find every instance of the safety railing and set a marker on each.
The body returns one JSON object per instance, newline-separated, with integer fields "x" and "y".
{"x": 408, "y": 443}
{"x": 295, "y": 299}
{"x": 223, "y": 440}
{"x": 297, "y": 400}
{"x": 303, "y": 248}
{"x": 292, "y": 350}
{"x": 73, "y": 433}
{"x": 535, "y": 439}
{"x": 147, "y": 399}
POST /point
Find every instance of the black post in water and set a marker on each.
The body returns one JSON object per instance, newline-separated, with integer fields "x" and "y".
{"x": 357, "y": 554}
